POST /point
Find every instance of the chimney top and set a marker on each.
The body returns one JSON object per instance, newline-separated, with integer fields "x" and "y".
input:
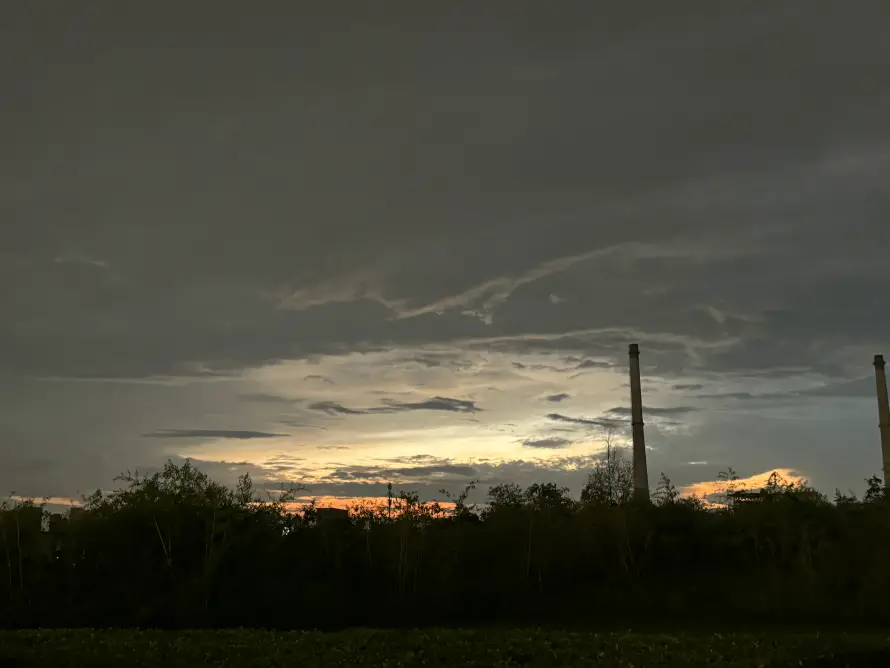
{"x": 633, "y": 349}
{"x": 879, "y": 361}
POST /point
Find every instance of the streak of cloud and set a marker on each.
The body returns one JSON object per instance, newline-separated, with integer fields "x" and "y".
{"x": 446, "y": 404}
{"x": 605, "y": 423}
{"x": 552, "y": 443}
{"x": 624, "y": 411}
{"x": 211, "y": 433}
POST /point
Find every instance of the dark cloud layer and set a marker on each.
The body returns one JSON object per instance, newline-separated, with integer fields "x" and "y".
{"x": 432, "y": 184}
{"x": 733, "y": 159}
{"x": 210, "y": 433}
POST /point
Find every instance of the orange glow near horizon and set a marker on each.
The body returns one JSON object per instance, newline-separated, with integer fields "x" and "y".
{"x": 49, "y": 500}
{"x": 754, "y": 482}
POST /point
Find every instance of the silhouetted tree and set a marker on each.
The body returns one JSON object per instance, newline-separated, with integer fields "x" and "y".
{"x": 875, "y": 491}
{"x": 610, "y": 482}
{"x": 176, "y": 549}
{"x": 665, "y": 493}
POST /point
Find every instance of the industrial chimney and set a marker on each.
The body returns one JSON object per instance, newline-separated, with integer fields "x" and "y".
{"x": 883, "y": 415}
{"x": 641, "y": 474}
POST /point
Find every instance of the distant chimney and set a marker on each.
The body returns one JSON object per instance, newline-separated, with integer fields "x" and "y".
{"x": 641, "y": 474}
{"x": 883, "y": 415}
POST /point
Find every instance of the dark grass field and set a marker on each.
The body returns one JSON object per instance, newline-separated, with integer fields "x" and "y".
{"x": 433, "y": 648}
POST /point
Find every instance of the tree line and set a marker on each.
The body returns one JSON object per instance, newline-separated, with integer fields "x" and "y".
{"x": 176, "y": 549}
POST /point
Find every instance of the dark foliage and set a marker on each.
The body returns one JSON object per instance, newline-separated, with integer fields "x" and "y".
{"x": 177, "y": 550}
{"x": 436, "y": 647}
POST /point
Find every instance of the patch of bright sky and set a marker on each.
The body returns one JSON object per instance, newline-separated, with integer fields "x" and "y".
{"x": 512, "y": 405}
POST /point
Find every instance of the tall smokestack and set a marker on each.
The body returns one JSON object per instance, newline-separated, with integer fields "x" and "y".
{"x": 641, "y": 474}
{"x": 883, "y": 415}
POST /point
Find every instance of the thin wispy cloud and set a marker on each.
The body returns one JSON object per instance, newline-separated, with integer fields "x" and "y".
{"x": 408, "y": 472}
{"x": 211, "y": 433}
{"x": 319, "y": 378}
{"x": 552, "y": 443}
{"x": 302, "y": 425}
{"x": 267, "y": 398}
{"x": 594, "y": 364}
{"x": 607, "y": 423}
{"x": 446, "y": 404}
{"x": 624, "y": 411}
{"x": 333, "y": 408}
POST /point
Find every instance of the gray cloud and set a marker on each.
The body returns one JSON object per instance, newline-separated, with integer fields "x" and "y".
{"x": 575, "y": 364}
{"x": 547, "y": 443}
{"x": 318, "y": 377}
{"x": 538, "y": 367}
{"x": 419, "y": 458}
{"x": 606, "y": 423}
{"x": 858, "y": 387}
{"x": 434, "y": 404}
{"x": 210, "y": 433}
{"x": 333, "y": 408}
{"x": 439, "y": 404}
{"x": 383, "y": 473}
{"x": 283, "y": 464}
{"x": 839, "y": 388}
{"x": 593, "y": 364}
{"x": 556, "y": 398}
{"x": 624, "y": 411}
{"x": 743, "y": 395}
{"x": 688, "y": 386}
{"x": 266, "y": 398}
{"x": 302, "y": 425}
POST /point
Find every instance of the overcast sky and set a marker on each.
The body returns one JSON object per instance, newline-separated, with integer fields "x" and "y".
{"x": 361, "y": 242}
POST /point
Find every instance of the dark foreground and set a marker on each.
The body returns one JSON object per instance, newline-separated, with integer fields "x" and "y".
{"x": 432, "y": 648}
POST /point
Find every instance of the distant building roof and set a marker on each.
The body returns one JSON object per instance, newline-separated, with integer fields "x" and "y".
{"x": 746, "y": 495}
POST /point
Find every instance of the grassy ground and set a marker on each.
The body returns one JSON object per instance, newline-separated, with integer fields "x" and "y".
{"x": 433, "y": 648}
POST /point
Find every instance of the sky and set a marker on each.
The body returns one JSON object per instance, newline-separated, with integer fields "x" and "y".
{"x": 351, "y": 243}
